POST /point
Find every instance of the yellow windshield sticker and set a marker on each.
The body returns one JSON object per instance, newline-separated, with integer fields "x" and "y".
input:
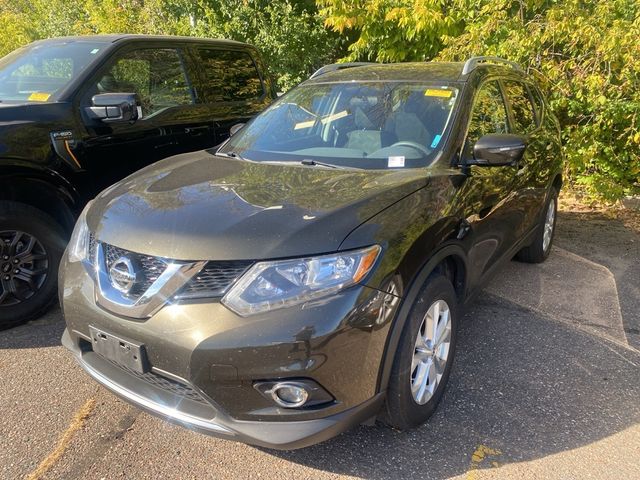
{"x": 437, "y": 92}
{"x": 39, "y": 97}
{"x": 301, "y": 125}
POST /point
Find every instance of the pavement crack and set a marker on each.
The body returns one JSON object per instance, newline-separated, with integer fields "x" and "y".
{"x": 64, "y": 441}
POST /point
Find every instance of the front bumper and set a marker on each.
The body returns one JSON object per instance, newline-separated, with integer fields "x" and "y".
{"x": 205, "y": 360}
{"x": 208, "y": 420}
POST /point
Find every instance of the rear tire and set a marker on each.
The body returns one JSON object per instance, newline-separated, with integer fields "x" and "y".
{"x": 31, "y": 246}
{"x": 424, "y": 357}
{"x": 540, "y": 248}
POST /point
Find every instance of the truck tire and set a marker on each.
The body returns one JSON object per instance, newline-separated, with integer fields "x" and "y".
{"x": 31, "y": 246}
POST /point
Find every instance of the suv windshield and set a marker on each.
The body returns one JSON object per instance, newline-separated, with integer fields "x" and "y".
{"x": 372, "y": 125}
{"x": 37, "y": 73}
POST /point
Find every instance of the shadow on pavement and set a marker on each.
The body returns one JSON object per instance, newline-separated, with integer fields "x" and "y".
{"x": 611, "y": 244}
{"x": 43, "y": 332}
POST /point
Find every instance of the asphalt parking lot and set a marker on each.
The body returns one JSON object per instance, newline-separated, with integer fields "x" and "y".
{"x": 546, "y": 384}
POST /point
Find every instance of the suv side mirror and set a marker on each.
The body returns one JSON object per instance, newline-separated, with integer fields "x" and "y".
{"x": 496, "y": 150}
{"x": 233, "y": 130}
{"x": 114, "y": 107}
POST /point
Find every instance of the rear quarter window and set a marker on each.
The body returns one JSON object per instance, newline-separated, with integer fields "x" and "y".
{"x": 524, "y": 116}
{"x": 538, "y": 103}
{"x": 228, "y": 75}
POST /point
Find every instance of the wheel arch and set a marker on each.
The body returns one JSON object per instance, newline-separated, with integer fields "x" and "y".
{"x": 41, "y": 190}
{"x": 450, "y": 261}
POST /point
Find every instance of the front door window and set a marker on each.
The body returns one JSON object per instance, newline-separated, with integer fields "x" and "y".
{"x": 156, "y": 75}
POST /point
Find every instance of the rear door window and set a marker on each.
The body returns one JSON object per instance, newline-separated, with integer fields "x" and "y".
{"x": 156, "y": 75}
{"x": 228, "y": 75}
{"x": 521, "y": 107}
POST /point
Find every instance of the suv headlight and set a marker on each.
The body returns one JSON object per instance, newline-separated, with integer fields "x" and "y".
{"x": 79, "y": 243}
{"x": 271, "y": 285}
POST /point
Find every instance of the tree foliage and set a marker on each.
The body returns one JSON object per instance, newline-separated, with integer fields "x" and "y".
{"x": 392, "y": 30}
{"x": 586, "y": 53}
{"x": 289, "y": 33}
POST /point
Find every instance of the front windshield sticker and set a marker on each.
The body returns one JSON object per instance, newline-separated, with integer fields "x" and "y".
{"x": 437, "y": 92}
{"x": 308, "y": 124}
{"x": 436, "y": 141}
{"x": 395, "y": 162}
{"x": 94, "y": 51}
{"x": 39, "y": 97}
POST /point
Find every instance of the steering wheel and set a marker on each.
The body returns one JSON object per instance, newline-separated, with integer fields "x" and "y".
{"x": 415, "y": 145}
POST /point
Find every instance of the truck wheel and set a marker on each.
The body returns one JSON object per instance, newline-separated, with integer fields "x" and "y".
{"x": 424, "y": 357}
{"x": 31, "y": 246}
{"x": 540, "y": 248}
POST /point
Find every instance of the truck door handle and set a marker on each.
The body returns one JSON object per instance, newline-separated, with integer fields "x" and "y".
{"x": 195, "y": 130}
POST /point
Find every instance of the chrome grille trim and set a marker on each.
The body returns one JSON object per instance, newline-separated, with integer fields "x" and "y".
{"x": 162, "y": 279}
{"x": 174, "y": 276}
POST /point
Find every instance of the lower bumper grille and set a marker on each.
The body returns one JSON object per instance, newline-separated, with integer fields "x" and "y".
{"x": 170, "y": 386}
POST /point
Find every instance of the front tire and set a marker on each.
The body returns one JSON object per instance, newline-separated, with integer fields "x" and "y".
{"x": 424, "y": 358}
{"x": 31, "y": 246}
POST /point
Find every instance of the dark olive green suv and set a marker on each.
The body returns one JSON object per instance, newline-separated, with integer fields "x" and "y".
{"x": 309, "y": 274}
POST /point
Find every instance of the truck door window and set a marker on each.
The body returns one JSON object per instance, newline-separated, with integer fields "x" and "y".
{"x": 156, "y": 75}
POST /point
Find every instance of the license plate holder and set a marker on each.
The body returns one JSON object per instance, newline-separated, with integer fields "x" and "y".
{"x": 123, "y": 352}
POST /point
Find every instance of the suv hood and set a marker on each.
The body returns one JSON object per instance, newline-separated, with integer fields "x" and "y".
{"x": 199, "y": 206}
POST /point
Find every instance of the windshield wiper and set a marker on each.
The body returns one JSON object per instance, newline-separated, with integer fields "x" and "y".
{"x": 232, "y": 155}
{"x": 313, "y": 163}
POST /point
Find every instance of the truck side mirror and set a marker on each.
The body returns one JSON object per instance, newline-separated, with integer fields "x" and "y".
{"x": 114, "y": 107}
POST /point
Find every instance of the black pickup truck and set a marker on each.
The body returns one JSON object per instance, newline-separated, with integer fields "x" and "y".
{"x": 79, "y": 113}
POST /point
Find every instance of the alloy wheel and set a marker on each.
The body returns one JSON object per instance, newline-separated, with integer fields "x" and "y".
{"x": 24, "y": 266}
{"x": 431, "y": 352}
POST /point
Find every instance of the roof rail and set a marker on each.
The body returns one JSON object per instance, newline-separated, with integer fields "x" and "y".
{"x": 338, "y": 66}
{"x": 474, "y": 62}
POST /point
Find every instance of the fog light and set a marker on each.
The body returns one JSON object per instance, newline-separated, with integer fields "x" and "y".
{"x": 289, "y": 395}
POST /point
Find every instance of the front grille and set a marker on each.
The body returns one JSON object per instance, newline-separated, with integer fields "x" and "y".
{"x": 150, "y": 267}
{"x": 214, "y": 279}
{"x": 166, "y": 384}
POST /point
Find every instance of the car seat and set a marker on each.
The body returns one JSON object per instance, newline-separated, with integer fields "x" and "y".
{"x": 366, "y": 137}
{"x": 406, "y": 122}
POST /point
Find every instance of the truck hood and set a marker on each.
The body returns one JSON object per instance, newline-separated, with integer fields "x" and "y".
{"x": 199, "y": 206}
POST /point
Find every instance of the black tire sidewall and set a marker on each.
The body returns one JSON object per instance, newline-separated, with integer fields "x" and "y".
{"x": 535, "y": 253}
{"x": 22, "y": 217}
{"x": 402, "y": 411}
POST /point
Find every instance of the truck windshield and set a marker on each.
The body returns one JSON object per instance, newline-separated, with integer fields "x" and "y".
{"x": 39, "y": 72}
{"x": 370, "y": 125}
